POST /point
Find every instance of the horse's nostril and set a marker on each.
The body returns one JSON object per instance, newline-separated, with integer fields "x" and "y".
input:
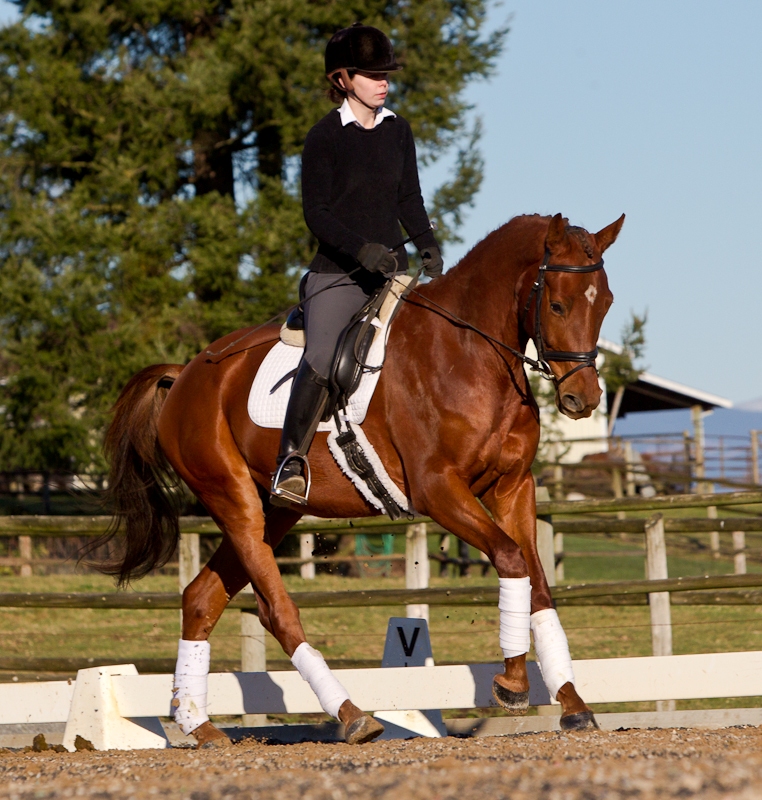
{"x": 572, "y": 402}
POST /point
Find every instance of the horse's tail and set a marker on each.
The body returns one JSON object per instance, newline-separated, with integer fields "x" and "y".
{"x": 143, "y": 491}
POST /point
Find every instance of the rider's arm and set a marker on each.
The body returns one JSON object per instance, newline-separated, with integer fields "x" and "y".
{"x": 412, "y": 212}
{"x": 318, "y": 160}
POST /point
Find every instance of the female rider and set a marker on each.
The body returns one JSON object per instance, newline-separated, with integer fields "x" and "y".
{"x": 359, "y": 181}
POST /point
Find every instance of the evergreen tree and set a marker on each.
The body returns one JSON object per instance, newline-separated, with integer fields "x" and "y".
{"x": 149, "y": 203}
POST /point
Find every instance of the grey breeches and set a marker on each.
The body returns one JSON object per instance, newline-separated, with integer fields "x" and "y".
{"x": 326, "y": 315}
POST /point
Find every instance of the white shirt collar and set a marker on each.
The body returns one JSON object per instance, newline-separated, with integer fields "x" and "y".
{"x": 348, "y": 116}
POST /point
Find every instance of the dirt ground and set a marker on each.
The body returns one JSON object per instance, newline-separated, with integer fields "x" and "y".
{"x": 639, "y": 764}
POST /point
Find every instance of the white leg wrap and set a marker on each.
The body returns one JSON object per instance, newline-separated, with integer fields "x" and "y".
{"x": 190, "y": 686}
{"x": 515, "y": 603}
{"x": 552, "y": 650}
{"x": 322, "y": 681}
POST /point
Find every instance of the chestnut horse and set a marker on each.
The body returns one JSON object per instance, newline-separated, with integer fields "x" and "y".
{"x": 452, "y": 418}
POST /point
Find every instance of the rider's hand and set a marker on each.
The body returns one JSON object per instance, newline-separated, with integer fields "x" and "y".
{"x": 375, "y": 257}
{"x": 431, "y": 261}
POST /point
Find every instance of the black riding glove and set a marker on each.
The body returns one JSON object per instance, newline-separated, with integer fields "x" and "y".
{"x": 431, "y": 260}
{"x": 375, "y": 257}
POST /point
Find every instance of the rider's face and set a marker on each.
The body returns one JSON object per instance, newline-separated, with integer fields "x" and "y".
{"x": 371, "y": 87}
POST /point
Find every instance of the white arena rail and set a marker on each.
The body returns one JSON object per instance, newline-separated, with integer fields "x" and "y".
{"x": 115, "y": 708}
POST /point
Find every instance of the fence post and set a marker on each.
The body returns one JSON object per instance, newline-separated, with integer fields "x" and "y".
{"x": 417, "y": 566}
{"x": 558, "y": 472}
{"x": 306, "y": 550}
{"x": 739, "y": 552}
{"x": 545, "y": 543}
{"x": 253, "y": 654}
{"x": 629, "y": 465}
{"x": 558, "y": 554}
{"x": 189, "y": 559}
{"x": 661, "y": 618}
{"x": 755, "y": 457}
{"x": 25, "y": 551}
{"x": 698, "y": 444}
{"x": 616, "y": 481}
{"x": 714, "y": 536}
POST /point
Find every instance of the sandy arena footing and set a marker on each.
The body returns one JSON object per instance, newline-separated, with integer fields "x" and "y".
{"x": 679, "y": 763}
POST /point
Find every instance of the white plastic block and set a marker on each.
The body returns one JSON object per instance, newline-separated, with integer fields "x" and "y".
{"x": 94, "y": 715}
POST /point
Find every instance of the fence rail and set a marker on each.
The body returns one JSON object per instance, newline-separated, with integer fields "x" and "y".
{"x": 739, "y": 589}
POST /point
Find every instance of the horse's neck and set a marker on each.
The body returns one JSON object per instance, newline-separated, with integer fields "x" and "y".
{"x": 487, "y": 287}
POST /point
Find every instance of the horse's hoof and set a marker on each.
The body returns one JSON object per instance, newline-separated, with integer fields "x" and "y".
{"x": 515, "y": 703}
{"x": 584, "y": 721}
{"x": 363, "y": 729}
{"x": 209, "y": 737}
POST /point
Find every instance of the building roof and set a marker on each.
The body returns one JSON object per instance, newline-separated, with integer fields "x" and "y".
{"x": 652, "y": 393}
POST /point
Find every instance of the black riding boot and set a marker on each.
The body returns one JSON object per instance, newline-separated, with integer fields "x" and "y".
{"x": 309, "y": 394}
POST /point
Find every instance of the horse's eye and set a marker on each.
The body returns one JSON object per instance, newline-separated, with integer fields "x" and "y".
{"x": 556, "y": 308}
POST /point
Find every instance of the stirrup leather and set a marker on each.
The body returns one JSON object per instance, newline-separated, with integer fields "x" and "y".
{"x": 285, "y": 494}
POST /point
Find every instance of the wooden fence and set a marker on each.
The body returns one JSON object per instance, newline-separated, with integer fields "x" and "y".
{"x": 658, "y": 591}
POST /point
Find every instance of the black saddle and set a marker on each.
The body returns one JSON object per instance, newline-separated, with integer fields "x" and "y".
{"x": 350, "y": 358}
{"x": 351, "y": 351}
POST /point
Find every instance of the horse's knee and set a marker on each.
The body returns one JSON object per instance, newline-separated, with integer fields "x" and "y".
{"x": 508, "y": 559}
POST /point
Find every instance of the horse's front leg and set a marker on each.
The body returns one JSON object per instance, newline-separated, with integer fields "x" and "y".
{"x": 512, "y": 503}
{"x": 448, "y": 500}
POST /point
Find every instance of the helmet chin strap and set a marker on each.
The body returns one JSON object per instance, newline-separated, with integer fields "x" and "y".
{"x": 348, "y": 88}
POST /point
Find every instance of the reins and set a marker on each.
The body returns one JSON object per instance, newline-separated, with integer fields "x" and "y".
{"x": 219, "y": 355}
{"x": 544, "y": 356}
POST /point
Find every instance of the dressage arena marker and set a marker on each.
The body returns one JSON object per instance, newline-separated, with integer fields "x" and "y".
{"x": 115, "y": 708}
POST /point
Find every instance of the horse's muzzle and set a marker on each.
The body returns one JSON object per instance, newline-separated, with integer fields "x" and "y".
{"x": 576, "y": 406}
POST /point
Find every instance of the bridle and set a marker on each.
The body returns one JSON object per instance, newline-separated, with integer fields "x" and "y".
{"x": 584, "y": 359}
{"x": 541, "y": 364}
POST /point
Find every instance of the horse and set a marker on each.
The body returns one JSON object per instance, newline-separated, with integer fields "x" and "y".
{"x": 453, "y": 420}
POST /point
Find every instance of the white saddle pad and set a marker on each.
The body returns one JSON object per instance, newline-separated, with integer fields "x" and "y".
{"x": 267, "y": 408}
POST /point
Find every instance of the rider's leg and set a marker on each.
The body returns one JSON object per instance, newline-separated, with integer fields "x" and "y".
{"x": 309, "y": 394}
{"x": 332, "y": 302}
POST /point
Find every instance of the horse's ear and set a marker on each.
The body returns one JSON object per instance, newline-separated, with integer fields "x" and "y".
{"x": 607, "y": 236}
{"x": 557, "y": 235}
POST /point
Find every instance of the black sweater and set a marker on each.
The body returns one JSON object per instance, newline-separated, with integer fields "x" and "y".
{"x": 357, "y": 186}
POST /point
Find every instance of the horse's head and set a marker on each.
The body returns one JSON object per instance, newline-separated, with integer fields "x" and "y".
{"x": 573, "y": 298}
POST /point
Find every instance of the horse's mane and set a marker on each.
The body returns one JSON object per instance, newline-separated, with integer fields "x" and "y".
{"x": 517, "y": 222}
{"x": 582, "y": 236}
{"x": 507, "y": 229}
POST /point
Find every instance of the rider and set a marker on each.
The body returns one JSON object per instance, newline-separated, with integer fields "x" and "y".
{"x": 359, "y": 181}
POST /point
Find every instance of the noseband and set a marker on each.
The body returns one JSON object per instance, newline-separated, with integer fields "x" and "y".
{"x": 540, "y": 365}
{"x": 544, "y": 356}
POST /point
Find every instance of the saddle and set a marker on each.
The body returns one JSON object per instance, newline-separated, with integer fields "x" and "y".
{"x": 349, "y": 366}
{"x": 349, "y": 362}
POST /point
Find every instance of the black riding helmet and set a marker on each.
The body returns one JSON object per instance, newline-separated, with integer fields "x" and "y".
{"x": 359, "y": 48}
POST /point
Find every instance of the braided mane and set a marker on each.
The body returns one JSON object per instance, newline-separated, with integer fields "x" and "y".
{"x": 582, "y": 236}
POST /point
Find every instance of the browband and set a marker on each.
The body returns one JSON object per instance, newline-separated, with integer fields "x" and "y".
{"x": 573, "y": 268}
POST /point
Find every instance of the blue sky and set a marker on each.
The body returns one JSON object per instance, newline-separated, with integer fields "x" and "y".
{"x": 653, "y": 109}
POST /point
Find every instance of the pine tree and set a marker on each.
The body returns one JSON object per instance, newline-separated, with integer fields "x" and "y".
{"x": 149, "y": 203}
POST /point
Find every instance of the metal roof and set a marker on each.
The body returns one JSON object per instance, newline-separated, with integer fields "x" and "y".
{"x": 652, "y": 393}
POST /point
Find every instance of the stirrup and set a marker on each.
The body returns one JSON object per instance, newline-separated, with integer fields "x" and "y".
{"x": 284, "y": 494}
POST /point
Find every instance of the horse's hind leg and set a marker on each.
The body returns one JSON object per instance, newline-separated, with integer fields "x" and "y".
{"x": 512, "y": 502}
{"x": 207, "y": 596}
{"x": 234, "y": 503}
